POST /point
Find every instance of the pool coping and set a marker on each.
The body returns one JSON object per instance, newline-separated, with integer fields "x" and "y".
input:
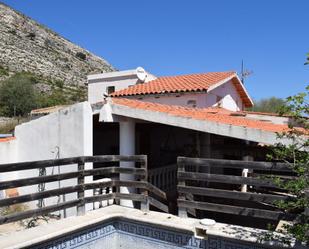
{"x": 56, "y": 229}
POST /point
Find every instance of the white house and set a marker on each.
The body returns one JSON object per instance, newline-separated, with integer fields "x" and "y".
{"x": 134, "y": 112}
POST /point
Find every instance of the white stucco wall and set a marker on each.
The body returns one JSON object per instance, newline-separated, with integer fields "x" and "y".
{"x": 99, "y": 83}
{"x": 230, "y": 98}
{"x": 8, "y": 151}
{"x": 98, "y": 88}
{"x": 69, "y": 130}
{"x": 8, "y": 154}
{"x": 176, "y": 99}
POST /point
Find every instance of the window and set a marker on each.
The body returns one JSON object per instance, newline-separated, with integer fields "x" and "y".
{"x": 191, "y": 103}
{"x": 110, "y": 89}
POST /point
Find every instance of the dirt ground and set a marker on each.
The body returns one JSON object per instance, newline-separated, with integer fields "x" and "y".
{"x": 24, "y": 224}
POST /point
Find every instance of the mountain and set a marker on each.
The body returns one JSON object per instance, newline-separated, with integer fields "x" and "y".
{"x": 26, "y": 45}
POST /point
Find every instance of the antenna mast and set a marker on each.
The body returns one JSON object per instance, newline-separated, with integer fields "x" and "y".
{"x": 244, "y": 72}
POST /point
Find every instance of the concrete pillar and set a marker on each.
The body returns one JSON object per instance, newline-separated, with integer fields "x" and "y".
{"x": 127, "y": 147}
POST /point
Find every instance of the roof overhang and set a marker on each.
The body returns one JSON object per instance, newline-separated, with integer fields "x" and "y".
{"x": 239, "y": 132}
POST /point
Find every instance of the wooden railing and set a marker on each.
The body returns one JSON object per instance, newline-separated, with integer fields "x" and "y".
{"x": 164, "y": 177}
{"x": 204, "y": 185}
{"x": 145, "y": 195}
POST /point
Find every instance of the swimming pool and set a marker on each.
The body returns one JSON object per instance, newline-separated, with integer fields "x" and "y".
{"x": 121, "y": 233}
{"x": 117, "y": 227}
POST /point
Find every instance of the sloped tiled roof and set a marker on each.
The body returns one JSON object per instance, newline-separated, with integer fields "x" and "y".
{"x": 184, "y": 83}
{"x": 172, "y": 84}
{"x": 212, "y": 114}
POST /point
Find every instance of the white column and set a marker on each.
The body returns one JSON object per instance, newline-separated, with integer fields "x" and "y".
{"x": 127, "y": 147}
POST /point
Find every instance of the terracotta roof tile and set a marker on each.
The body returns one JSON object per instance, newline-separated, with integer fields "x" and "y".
{"x": 212, "y": 114}
{"x": 173, "y": 84}
{"x": 185, "y": 83}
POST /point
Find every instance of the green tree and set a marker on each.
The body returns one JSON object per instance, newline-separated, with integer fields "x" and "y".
{"x": 17, "y": 95}
{"x": 297, "y": 156}
{"x": 270, "y": 105}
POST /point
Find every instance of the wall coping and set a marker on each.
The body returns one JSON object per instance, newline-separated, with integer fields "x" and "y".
{"x": 68, "y": 225}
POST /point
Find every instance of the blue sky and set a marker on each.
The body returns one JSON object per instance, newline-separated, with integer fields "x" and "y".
{"x": 181, "y": 37}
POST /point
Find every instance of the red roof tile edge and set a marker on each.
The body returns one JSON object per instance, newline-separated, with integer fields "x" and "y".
{"x": 7, "y": 139}
{"x": 216, "y": 115}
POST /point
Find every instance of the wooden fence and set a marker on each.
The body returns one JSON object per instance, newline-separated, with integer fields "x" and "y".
{"x": 145, "y": 195}
{"x": 164, "y": 178}
{"x": 215, "y": 186}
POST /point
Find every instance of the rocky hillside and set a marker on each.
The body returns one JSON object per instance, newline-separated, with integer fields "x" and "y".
{"x": 26, "y": 45}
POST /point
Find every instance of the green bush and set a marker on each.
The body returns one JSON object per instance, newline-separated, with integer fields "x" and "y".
{"x": 270, "y": 105}
{"x": 59, "y": 83}
{"x": 57, "y": 97}
{"x": 17, "y": 95}
{"x": 296, "y": 155}
{"x": 3, "y": 71}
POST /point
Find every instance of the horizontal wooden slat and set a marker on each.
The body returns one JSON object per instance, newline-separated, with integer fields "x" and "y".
{"x": 251, "y": 212}
{"x": 81, "y": 187}
{"x": 37, "y": 180}
{"x": 53, "y": 192}
{"x": 246, "y": 196}
{"x": 64, "y": 176}
{"x": 72, "y": 160}
{"x": 159, "y": 205}
{"x": 141, "y": 184}
{"x": 225, "y": 179}
{"x": 158, "y": 192}
{"x": 131, "y": 196}
{"x": 222, "y": 163}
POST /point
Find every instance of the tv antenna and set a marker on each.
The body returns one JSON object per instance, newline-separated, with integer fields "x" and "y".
{"x": 244, "y": 72}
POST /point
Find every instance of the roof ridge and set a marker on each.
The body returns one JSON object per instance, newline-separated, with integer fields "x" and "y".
{"x": 192, "y": 74}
